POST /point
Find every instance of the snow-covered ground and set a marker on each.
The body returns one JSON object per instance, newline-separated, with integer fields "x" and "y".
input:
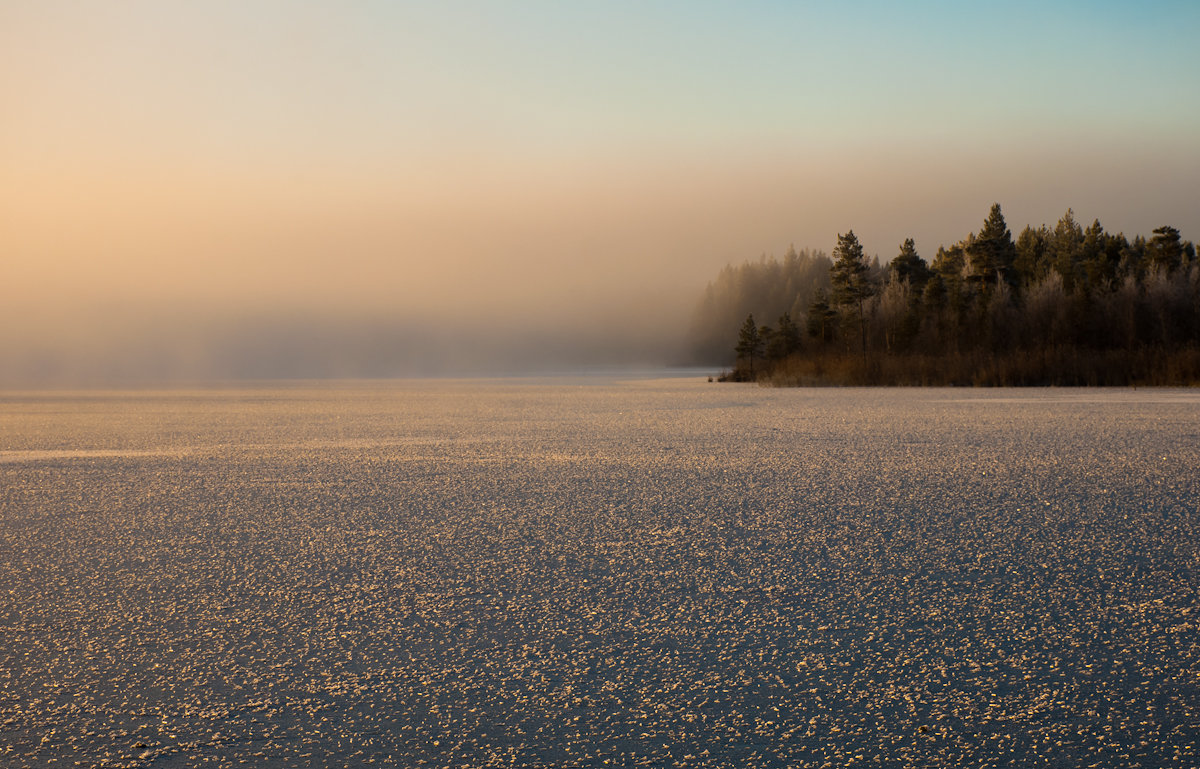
{"x": 597, "y": 571}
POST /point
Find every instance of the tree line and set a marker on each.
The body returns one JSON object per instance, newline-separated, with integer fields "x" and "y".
{"x": 768, "y": 287}
{"x": 1068, "y": 305}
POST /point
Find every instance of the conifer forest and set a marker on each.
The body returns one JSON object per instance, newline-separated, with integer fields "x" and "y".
{"x": 1068, "y": 305}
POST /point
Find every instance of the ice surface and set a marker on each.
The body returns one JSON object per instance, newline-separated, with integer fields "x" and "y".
{"x": 595, "y": 572}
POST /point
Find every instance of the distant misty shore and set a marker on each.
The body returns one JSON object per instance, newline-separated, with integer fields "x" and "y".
{"x": 1062, "y": 306}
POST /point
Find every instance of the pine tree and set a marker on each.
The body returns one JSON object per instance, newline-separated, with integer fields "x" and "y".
{"x": 1031, "y": 262}
{"x": 820, "y": 317}
{"x": 1099, "y": 262}
{"x": 749, "y": 342}
{"x": 1066, "y": 246}
{"x": 848, "y": 278}
{"x": 848, "y": 275}
{"x": 909, "y": 266}
{"x": 1165, "y": 250}
{"x": 785, "y": 340}
{"x": 993, "y": 252}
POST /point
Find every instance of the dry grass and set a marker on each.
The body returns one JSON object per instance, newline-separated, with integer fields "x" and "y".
{"x": 1053, "y": 367}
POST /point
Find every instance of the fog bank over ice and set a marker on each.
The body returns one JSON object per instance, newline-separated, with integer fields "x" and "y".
{"x": 142, "y": 346}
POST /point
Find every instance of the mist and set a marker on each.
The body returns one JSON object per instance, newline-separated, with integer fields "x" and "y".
{"x": 283, "y": 346}
{"x": 485, "y": 270}
{"x": 266, "y": 190}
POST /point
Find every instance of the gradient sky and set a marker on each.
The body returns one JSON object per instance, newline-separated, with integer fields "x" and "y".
{"x": 582, "y": 164}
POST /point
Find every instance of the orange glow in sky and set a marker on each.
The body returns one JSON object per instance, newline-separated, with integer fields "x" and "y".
{"x": 534, "y": 164}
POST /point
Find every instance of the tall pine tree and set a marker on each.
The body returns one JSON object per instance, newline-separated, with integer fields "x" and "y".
{"x": 993, "y": 252}
{"x": 849, "y": 280}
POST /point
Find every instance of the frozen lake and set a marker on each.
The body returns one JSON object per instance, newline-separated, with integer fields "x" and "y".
{"x": 599, "y": 572}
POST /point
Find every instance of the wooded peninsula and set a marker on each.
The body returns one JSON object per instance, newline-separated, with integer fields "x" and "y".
{"x": 1066, "y": 306}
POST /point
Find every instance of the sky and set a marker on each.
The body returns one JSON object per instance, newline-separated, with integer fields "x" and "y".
{"x": 260, "y": 188}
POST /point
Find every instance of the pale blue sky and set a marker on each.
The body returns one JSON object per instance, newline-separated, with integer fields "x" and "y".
{"x": 552, "y": 76}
